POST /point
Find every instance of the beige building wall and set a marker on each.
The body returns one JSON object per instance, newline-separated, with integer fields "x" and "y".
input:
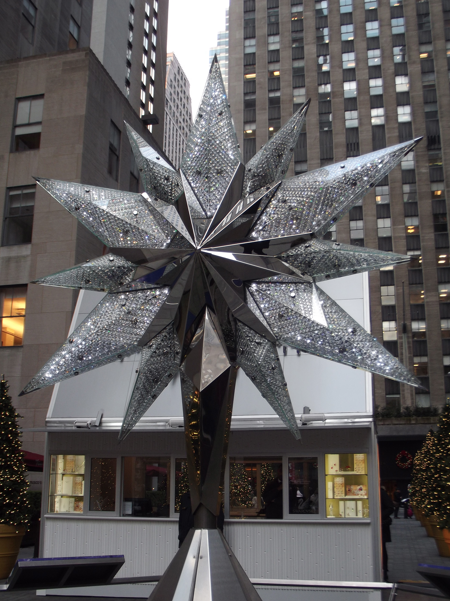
{"x": 80, "y": 100}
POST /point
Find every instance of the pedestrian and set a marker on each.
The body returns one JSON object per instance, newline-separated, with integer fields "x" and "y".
{"x": 397, "y": 502}
{"x": 387, "y": 508}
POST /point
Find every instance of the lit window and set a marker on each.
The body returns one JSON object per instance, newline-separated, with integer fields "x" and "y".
{"x": 372, "y": 29}
{"x": 28, "y": 123}
{"x": 382, "y": 194}
{"x": 144, "y": 77}
{"x": 144, "y": 60}
{"x": 326, "y": 87}
{"x": 374, "y": 57}
{"x": 403, "y": 113}
{"x": 347, "y": 32}
{"x": 155, "y": 24}
{"x": 145, "y": 42}
{"x": 152, "y": 73}
{"x": 377, "y": 116}
{"x": 348, "y": 60}
{"x": 151, "y": 90}
{"x": 147, "y": 26}
{"x": 114, "y": 151}
{"x": 147, "y": 9}
{"x": 155, "y": 5}
{"x": 12, "y": 304}
{"x": 402, "y": 83}
{"x": 18, "y": 216}
{"x": 154, "y": 39}
{"x": 412, "y": 225}
{"x": 153, "y": 56}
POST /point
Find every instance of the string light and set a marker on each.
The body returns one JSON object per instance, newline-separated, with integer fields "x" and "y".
{"x": 15, "y": 508}
{"x": 430, "y": 486}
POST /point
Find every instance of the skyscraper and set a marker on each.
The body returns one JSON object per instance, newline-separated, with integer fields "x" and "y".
{"x": 130, "y": 39}
{"x": 178, "y": 112}
{"x": 221, "y": 50}
{"x": 62, "y": 114}
{"x": 377, "y": 73}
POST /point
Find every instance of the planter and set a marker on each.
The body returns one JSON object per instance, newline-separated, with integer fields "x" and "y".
{"x": 10, "y": 539}
{"x": 442, "y": 546}
{"x": 418, "y": 514}
{"x": 428, "y": 523}
{"x": 446, "y": 535}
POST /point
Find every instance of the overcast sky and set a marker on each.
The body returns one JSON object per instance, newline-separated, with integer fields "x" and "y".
{"x": 193, "y": 29}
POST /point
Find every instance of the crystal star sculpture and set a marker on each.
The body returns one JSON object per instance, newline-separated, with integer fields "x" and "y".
{"x": 216, "y": 264}
{"x": 208, "y": 271}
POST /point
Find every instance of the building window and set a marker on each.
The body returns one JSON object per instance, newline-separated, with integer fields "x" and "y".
{"x": 347, "y": 32}
{"x": 374, "y": 57}
{"x": 28, "y": 21}
{"x": 347, "y": 486}
{"x": 350, "y": 89}
{"x": 114, "y": 151}
{"x": 74, "y": 34}
{"x": 348, "y": 60}
{"x": 351, "y": 118}
{"x": 256, "y": 488}
{"x": 146, "y": 487}
{"x": 372, "y": 29}
{"x": 12, "y": 304}
{"x": 102, "y": 490}
{"x": 345, "y": 6}
{"x": 303, "y": 485}
{"x": 377, "y": 116}
{"x": 376, "y": 86}
{"x": 28, "y": 123}
{"x": 18, "y": 216}
{"x": 403, "y": 114}
{"x": 402, "y": 83}
{"x": 398, "y": 25}
{"x": 134, "y": 175}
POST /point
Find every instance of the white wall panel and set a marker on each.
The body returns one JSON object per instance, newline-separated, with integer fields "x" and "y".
{"x": 295, "y": 551}
{"x": 323, "y": 385}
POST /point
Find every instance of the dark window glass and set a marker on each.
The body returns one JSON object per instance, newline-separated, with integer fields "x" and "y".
{"x": 103, "y": 484}
{"x": 134, "y": 175}
{"x": 303, "y": 485}
{"x": 114, "y": 151}
{"x": 28, "y": 20}
{"x": 28, "y": 123}
{"x": 12, "y": 316}
{"x": 146, "y": 490}
{"x": 74, "y": 34}
{"x": 18, "y": 217}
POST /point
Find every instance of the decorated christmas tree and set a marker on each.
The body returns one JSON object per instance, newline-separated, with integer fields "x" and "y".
{"x": 419, "y": 491}
{"x": 241, "y": 491}
{"x": 14, "y": 506}
{"x": 439, "y": 503}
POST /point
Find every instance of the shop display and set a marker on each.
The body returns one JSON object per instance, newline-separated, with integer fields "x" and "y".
{"x": 66, "y": 491}
{"x": 347, "y": 485}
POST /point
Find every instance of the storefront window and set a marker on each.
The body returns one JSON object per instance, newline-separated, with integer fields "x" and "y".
{"x": 103, "y": 484}
{"x": 66, "y": 484}
{"x": 303, "y": 485}
{"x": 346, "y": 485}
{"x": 256, "y": 488}
{"x": 146, "y": 482}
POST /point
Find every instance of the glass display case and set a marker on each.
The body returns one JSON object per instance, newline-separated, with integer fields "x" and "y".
{"x": 66, "y": 491}
{"x": 346, "y": 485}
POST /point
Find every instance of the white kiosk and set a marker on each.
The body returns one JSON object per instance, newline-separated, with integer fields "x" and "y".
{"x": 101, "y": 497}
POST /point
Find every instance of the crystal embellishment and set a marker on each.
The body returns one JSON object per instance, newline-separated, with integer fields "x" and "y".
{"x": 215, "y": 265}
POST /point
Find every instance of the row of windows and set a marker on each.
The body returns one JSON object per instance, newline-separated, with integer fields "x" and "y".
{"x": 29, "y": 20}
{"x": 333, "y": 486}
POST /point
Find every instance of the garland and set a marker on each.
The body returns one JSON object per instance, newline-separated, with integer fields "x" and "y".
{"x": 404, "y": 460}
